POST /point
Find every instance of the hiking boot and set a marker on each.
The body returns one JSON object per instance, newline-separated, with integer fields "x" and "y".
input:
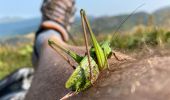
{"x": 57, "y": 16}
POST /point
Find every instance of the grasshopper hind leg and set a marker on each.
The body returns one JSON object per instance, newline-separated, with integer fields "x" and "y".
{"x": 86, "y": 43}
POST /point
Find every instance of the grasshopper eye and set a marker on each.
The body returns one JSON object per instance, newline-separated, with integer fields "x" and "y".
{"x": 81, "y": 11}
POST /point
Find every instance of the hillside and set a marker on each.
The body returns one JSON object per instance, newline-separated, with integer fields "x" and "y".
{"x": 162, "y": 16}
{"x": 107, "y": 24}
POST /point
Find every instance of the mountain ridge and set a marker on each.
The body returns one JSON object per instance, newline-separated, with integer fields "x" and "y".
{"x": 103, "y": 24}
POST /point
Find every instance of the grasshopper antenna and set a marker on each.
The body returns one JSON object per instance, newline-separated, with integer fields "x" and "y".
{"x": 123, "y": 21}
{"x": 86, "y": 42}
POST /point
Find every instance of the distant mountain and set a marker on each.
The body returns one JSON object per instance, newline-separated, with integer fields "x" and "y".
{"x": 107, "y": 24}
{"x": 162, "y": 16}
{"x": 10, "y": 19}
{"x": 18, "y": 27}
{"x": 104, "y": 24}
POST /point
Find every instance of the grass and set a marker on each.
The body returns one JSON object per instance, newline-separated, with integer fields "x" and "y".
{"x": 14, "y": 57}
{"x": 140, "y": 38}
{"x": 149, "y": 37}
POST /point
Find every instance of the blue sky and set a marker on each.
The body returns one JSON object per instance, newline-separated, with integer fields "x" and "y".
{"x": 30, "y": 8}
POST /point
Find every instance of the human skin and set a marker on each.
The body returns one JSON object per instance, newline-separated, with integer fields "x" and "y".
{"x": 145, "y": 79}
{"x": 51, "y": 73}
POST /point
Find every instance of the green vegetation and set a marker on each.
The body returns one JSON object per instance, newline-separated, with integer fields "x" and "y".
{"x": 14, "y": 57}
{"x": 142, "y": 38}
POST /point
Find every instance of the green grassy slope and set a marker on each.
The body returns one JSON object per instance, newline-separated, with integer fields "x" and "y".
{"x": 12, "y": 58}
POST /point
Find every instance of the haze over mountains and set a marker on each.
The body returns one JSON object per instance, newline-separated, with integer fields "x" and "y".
{"x": 105, "y": 24}
{"x": 18, "y": 26}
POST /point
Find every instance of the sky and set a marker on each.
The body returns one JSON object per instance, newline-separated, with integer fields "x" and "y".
{"x": 30, "y": 8}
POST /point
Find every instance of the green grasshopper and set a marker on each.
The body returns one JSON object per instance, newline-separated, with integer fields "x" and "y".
{"x": 89, "y": 66}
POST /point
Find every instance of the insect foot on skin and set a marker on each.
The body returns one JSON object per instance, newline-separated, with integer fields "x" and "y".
{"x": 90, "y": 65}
